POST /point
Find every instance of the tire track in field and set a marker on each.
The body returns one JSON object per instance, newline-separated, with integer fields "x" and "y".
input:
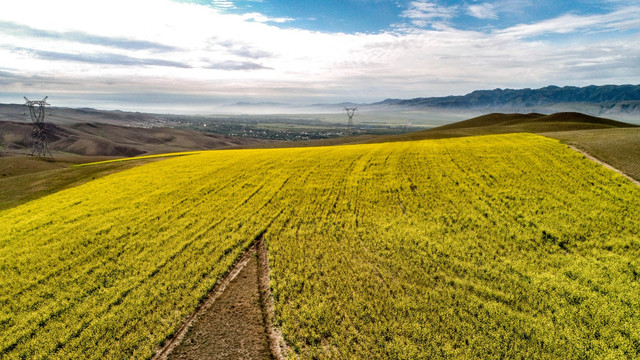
{"x": 277, "y": 344}
{"x": 169, "y": 260}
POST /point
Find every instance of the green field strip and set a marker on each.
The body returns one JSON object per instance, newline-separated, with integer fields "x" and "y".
{"x": 144, "y": 157}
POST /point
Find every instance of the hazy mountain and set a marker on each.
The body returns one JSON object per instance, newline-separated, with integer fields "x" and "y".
{"x": 614, "y": 101}
{"x": 529, "y": 97}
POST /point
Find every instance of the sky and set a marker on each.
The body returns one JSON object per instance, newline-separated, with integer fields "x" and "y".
{"x": 186, "y": 56}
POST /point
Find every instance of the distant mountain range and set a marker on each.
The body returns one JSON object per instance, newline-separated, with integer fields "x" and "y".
{"x": 528, "y": 97}
{"x": 620, "y": 102}
{"x": 594, "y": 100}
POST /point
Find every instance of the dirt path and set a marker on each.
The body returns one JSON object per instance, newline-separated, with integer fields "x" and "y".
{"x": 592, "y": 158}
{"x": 235, "y": 321}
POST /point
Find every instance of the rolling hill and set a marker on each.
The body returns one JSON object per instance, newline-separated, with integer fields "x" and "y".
{"x": 67, "y": 116}
{"x": 536, "y": 122}
{"x": 501, "y": 246}
{"x": 499, "y": 123}
{"x": 616, "y": 143}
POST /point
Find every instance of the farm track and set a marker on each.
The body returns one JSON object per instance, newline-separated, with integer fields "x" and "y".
{"x": 235, "y": 321}
{"x": 595, "y": 159}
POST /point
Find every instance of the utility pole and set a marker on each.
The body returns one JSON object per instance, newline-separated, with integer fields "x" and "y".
{"x": 350, "y": 113}
{"x": 39, "y": 133}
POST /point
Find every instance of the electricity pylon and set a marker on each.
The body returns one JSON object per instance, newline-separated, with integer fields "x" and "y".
{"x": 39, "y": 133}
{"x": 350, "y": 113}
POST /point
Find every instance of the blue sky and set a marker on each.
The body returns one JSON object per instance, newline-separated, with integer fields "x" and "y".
{"x": 374, "y": 16}
{"x": 167, "y": 55}
{"x": 370, "y": 16}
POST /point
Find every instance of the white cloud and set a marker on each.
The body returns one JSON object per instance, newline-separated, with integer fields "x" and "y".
{"x": 619, "y": 20}
{"x": 223, "y": 4}
{"x": 483, "y": 11}
{"x": 264, "y": 19}
{"x": 424, "y": 12}
{"x": 159, "y": 46}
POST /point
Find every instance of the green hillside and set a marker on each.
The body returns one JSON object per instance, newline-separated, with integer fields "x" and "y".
{"x": 508, "y": 246}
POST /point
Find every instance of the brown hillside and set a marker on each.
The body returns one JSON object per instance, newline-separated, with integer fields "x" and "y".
{"x": 95, "y": 139}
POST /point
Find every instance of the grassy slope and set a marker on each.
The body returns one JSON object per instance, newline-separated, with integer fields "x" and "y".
{"x": 481, "y": 247}
{"x": 25, "y": 178}
{"x": 110, "y": 268}
{"x": 508, "y": 247}
{"x": 613, "y": 142}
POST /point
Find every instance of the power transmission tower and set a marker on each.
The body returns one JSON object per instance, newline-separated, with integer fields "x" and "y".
{"x": 39, "y": 133}
{"x": 350, "y": 113}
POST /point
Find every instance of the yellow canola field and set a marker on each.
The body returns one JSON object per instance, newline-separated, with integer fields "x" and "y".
{"x": 485, "y": 247}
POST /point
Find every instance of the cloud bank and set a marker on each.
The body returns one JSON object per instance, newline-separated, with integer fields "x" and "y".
{"x": 164, "y": 47}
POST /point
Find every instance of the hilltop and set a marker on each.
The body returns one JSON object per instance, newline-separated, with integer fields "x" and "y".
{"x": 498, "y": 123}
{"x": 535, "y": 121}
